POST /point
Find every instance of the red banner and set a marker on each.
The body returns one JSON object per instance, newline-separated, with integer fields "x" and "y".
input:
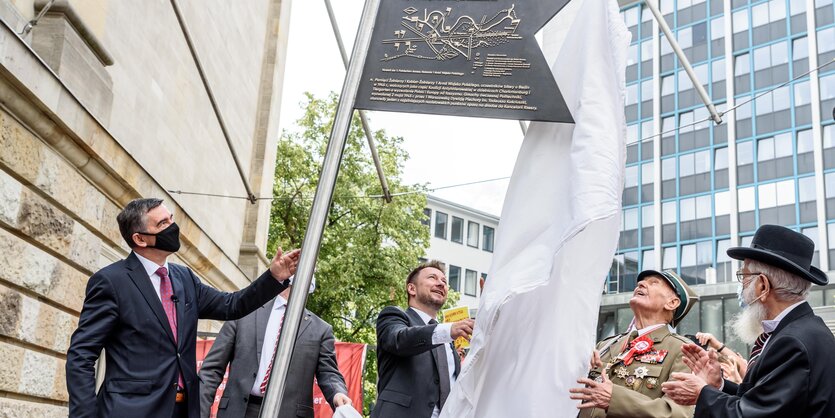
{"x": 350, "y": 358}
{"x": 203, "y": 347}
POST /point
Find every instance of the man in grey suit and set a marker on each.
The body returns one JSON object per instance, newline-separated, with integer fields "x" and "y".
{"x": 416, "y": 360}
{"x": 247, "y": 345}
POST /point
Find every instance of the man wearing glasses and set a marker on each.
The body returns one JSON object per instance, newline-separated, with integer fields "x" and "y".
{"x": 791, "y": 367}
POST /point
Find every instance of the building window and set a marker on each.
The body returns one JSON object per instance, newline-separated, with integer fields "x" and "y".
{"x": 774, "y": 157}
{"x": 440, "y": 225}
{"x": 695, "y": 260}
{"x": 808, "y": 199}
{"x": 470, "y": 282}
{"x": 695, "y": 214}
{"x": 724, "y": 264}
{"x": 427, "y": 216}
{"x": 487, "y": 239}
{"x": 454, "y": 278}
{"x": 472, "y": 234}
{"x": 457, "y": 234}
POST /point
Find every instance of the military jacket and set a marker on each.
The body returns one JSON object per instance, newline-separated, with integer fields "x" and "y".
{"x": 636, "y": 390}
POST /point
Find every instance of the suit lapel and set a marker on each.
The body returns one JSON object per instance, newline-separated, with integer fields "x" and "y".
{"x": 140, "y": 278}
{"x": 305, "y": 323}
{"x": 798, "y": 312}
{"x": 262, "y": 316}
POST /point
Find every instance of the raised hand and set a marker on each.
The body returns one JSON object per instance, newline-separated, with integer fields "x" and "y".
{"x": 284, "y": 264}
{"x": 595, "y": 360}
{"x": 462, "y": 328}
{"x": 707, "y": 339}
{"x": 594, "y": 394}
{"x": 684, "y": 389}
{"x": 704, "y": 364}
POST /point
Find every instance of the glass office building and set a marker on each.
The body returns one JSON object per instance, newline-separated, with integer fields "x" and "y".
{"x": 693, "y": 189}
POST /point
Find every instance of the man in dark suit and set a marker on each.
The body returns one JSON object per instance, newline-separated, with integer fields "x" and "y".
{"x": 248, "y": 346}
{"x": 791, "y": 368}
{"x": 416, "y": 362}
{"x": 143, "y": 311}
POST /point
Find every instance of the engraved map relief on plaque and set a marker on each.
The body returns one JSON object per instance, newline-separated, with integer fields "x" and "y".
{"x": 467, "y": 58}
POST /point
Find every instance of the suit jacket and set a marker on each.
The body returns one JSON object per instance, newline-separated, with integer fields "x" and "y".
{"x": 793, "y": 376}
{"x": 123, "y": 314}
{"x": 239, "y": 345}
{"x": 634, "y": 396}
{"x": 408, "y": 382}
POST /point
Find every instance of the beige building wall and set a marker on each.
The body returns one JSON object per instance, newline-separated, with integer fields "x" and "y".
{"x": 102, "y": 102}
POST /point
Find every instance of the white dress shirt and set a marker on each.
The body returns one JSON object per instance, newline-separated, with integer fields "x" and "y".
{"x": 151, "y": 268}
{"x": 270, "y": 337}
{"x": 651, "y": 328}
{"x": 441, "y": 335}
{"x": 769, "y": 325}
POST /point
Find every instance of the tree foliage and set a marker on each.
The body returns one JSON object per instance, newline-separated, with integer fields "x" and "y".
{"x": 369, "y": 246}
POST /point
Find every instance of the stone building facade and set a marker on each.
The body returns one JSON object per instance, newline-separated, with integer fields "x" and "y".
{"x": 104, "y": 101}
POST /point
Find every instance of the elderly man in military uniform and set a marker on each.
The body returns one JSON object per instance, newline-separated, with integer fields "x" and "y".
{"x": 628, "y": 369}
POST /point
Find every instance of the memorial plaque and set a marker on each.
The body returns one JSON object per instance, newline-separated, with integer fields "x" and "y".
{"x": 463, "y": 58}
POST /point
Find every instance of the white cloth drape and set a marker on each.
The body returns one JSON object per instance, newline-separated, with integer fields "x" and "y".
{"x": 558, "y": 232}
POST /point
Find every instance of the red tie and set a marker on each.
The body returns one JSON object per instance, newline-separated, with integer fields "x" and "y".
{"x": 166, "y": 293}
{"x": 270, "y": 367}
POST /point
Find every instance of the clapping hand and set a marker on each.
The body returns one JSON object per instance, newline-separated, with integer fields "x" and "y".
{"x": 685, "y": 388}
{"x": 704, "y": 364}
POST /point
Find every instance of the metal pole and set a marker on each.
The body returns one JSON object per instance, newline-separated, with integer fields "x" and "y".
{"x": 319, "y": 213}
{"x": 524, "y": 127}
{"x": 684, "y": 61}
{"x": 212, "y": 100}
{"x": 371, "y": 145}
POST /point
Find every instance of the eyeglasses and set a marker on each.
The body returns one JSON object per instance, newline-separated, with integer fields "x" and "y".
{"x": 740, "y": 275}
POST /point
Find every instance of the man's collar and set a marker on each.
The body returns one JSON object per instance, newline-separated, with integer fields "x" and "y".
{"x": 650, "y": 328}
{"x": 769, "y": 325}
{"x": 149, "y": 266}
{"x": 279, "y": 302}
{"x": 423, "y": 315}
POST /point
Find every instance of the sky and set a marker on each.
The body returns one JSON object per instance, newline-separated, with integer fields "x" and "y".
{"x": 443, "y": 150}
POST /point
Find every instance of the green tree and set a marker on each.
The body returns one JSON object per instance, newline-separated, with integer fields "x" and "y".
{"x": 369, "y": 246}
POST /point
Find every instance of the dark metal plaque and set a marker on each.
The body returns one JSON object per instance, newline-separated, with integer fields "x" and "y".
{"x": 463, "y": 58}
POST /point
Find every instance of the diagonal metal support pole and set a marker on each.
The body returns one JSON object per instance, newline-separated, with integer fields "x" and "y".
{"x": 319, "y": 213}
{"x": 653, "y": 6}
{"x": 365, "y": 127}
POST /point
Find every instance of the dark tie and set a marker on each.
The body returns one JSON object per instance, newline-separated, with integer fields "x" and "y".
{"x": 443, "y": 370}
{"x": 758, "y": 347}
{"x": 166, "y": 293}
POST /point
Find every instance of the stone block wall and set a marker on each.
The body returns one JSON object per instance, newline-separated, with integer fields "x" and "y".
{"x": 53, "y": 224}
{"x": 69, "y": 162}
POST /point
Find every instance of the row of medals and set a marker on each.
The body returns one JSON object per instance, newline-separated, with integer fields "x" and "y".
{"x": 631, "y": 380}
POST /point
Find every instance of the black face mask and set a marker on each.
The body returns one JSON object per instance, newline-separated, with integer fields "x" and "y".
{"x": 167, "y": 240}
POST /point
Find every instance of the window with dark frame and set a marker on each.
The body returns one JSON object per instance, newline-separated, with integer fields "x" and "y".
{"x": 487, "y": 240}
{"x": 470, "y": 282}
{"x": 427, "y": 216}
{"x": 440, "y": 225}
{"x": 454, "y": 278}
{"x": 472, "y": 234}
{"x": 457, "y": 234}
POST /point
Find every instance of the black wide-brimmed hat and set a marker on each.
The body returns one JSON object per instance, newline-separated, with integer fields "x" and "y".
{"x": 685, "y": 294}
{"x": 785, "y": 249}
